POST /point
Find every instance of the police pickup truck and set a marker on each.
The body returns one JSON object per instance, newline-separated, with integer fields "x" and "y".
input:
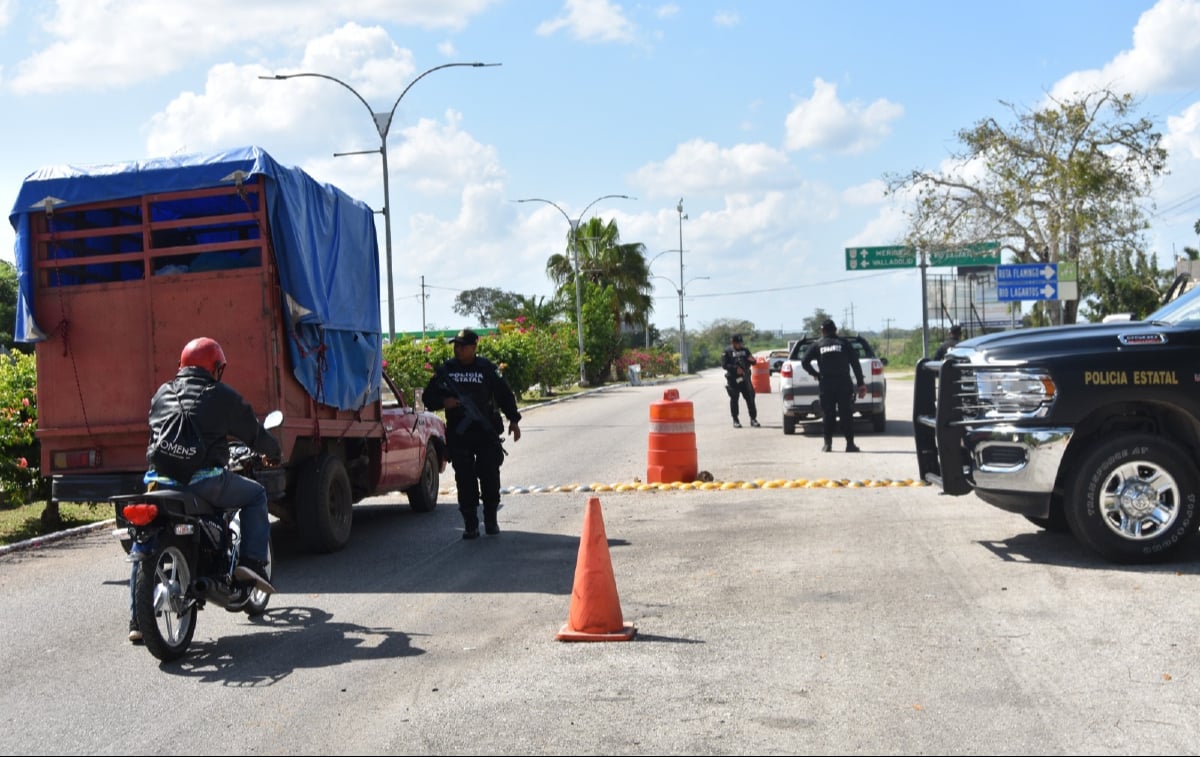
{"x": 1093, "y": 428}
{"x": 800, "y": 393}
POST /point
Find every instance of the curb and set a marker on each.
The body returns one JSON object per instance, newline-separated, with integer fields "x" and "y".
{"x": 47, "y": 539}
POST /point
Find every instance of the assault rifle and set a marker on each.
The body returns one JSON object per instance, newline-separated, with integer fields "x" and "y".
{"x": 472, "y": 412}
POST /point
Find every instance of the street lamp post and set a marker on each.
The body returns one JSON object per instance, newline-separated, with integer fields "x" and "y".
{"x": 656, "y": 257}
{"x": 683, "y": 361}
{"x": 681, "y": 290}
{"x": 383, "y": 122}
{"x": 574, "y": 225}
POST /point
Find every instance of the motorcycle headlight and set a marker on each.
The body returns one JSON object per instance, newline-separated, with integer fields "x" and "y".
{"x": 1013, "y": 394}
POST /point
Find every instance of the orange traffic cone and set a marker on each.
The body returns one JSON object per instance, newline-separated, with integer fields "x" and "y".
{"x": 595, "y": 613}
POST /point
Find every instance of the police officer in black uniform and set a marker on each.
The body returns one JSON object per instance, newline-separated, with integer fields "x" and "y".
{"x": 737, "y": 362}
{"x": 473, "y": 393}
{"x": 835, "y": 359}
{"x": 944, "y": 347}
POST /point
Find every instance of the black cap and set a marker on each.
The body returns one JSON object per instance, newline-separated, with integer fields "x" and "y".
{"x": 829, "y": 326}
{"x": 956, "y": 329}
{"x": 466, "y": 336}
{"x": 735, "y": 338}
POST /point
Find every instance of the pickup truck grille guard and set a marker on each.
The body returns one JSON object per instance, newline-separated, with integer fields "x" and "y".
{"x": 950, "y": 386}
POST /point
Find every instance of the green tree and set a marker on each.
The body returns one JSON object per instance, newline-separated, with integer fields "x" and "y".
{"x": 605, "y": 261}
{"x": 1133, "y": 285}
{"x": 488, "y": 304}
{"x": 1063, "y": 183}
{"x": 8, "y": 303}
{"x": 812, "y": 324}
{"x": 538, "y": 310}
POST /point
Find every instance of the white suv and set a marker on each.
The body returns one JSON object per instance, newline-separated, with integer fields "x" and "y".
{"x": 801, "y": 396}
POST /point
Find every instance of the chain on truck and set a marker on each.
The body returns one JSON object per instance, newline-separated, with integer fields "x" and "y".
{"x": 120, "y": 265}
{"x": 1091, "y": 428}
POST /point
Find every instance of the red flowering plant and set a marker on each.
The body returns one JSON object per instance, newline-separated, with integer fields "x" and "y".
{"x": 411, "y": 363}
{"x": 20, "y": 477}
{"x": 657, "y": 361}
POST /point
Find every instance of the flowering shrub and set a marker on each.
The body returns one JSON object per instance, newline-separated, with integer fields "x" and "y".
{"x": 20, "y": 477}
{"x": 528, "y": 356}
{"x": 655, "y": 362}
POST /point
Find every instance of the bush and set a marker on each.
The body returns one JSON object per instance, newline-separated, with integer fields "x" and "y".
{"x": 655, "y": 362}
{"x": 20, "y": 477}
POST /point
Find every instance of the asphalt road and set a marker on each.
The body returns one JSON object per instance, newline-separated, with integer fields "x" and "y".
{"x": 868, "y": 618}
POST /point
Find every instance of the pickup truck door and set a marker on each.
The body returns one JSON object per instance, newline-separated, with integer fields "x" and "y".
{"x": 404, "y": 444}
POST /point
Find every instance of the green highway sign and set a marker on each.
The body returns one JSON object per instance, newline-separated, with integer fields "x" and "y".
{"x": 977, "y": 253}
{"x": 870, "y": 258}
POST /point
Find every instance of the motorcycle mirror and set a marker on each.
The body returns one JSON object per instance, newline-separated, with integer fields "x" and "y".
{"x": 273, "y": 419}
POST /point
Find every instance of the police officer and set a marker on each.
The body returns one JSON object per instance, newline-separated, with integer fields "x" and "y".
{"x": 737, "y": 362}
{"x": 835, "y": 359}
{"x": 473, "y": 393}
{"x": 955, "y": 338}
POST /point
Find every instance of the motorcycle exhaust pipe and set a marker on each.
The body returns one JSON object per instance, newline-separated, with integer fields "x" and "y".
{"x": 219, "y": 594}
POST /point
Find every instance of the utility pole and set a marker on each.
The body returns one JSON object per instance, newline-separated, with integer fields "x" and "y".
{"x": 423, "y": 298}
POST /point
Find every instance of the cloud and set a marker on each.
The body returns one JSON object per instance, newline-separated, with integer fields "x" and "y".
{"x": 727, "y": 18}
{"x": 702, "y": 166}
{"x": 1165, "y": 56}
{"x": 825, "y": 123}
{"x": 6, "y": 13}
{"x": 591, "y": 21}
{"x": 98, "y": 45}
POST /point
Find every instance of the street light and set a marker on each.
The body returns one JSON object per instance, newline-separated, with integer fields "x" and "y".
{"x": 383, "y": 122}
{"x": 574, "y": 225}
{"x": 683, "y": 361}
{"x": 680, "y": 290}
{"x": 656, "y": 257}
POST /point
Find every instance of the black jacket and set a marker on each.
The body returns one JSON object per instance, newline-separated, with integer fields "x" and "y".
{"x": 482, "y": 383}
{"x": 219, "y": 412}
{"x": 836, "y": 358}
{"x": 732, "y": 359}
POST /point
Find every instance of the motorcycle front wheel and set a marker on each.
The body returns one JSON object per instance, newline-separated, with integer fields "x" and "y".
{"x": 165, "y": 615}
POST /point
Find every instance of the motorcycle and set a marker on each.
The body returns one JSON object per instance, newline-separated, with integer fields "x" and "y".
{"x": 186, "y": 550}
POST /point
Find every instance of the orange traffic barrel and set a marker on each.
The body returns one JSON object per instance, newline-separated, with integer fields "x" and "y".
{"x": 760, "y": 376}
{"x": 671, "y": 454}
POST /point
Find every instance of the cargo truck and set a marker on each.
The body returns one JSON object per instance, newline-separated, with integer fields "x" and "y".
{"x": 120, "y": 265}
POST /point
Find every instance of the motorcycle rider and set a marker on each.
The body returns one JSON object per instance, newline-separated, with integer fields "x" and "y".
{"x": 218, "y": 412}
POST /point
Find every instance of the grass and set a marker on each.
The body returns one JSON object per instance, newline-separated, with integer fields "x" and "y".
{"x": 25, "y": 522}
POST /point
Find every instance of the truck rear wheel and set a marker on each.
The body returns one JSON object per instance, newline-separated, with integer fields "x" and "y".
{"x": 879, "y": 421}
{"x": 422, "y": 496}
{"x": 1134, "y": 499}
{"x": 789, "y": 425}
{"x": 324, "y": 504}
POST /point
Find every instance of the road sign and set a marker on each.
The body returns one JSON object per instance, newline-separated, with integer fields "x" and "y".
{"x": 869, "y": 258}
{"x": 1027, "y": 281}
{"x": 977, "y": 253}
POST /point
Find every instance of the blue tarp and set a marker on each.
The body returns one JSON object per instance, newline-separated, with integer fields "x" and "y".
{"x": 325, "y": 248}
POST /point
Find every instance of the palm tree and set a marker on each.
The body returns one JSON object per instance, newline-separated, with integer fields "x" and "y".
{"x": 603, "y": 259}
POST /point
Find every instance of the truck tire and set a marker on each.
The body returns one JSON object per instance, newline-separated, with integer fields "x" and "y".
{"x": 324, "y": 504}
{"x": 1134, "y": 499}
{"x": 879, "y": 421}
{"x": 789, "y": 425}
{"x": 422, "y": 496}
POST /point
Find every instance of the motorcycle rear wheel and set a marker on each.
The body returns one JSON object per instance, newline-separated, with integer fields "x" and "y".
{"x": 165, "y": 615}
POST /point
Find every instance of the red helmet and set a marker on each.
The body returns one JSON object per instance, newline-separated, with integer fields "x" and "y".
{"x": 203, "y": 353}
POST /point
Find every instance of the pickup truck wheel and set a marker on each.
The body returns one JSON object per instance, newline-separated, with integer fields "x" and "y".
{"x": 422, "y": 496}
{"x": 789, "y": 425}
{"x": 879, "y": 421}
{"x": 324, "y": 505}
{"x": 1134, "y": 499}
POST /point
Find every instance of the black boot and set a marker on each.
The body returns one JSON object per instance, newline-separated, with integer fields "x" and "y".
{"x": 470, "y": 522}
{"x": 490, "y": 526}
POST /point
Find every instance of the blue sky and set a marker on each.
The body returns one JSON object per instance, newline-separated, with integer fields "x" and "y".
{"x": 775, "y": 122}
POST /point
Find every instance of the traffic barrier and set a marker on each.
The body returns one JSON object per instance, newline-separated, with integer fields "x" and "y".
{"x": 595, "y": 613}
{"x": 671, "y": 447}
{"x": 760, "y": 376}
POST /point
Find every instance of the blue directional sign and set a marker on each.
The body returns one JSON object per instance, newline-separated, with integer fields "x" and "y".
{"x": 1027, "y": 281}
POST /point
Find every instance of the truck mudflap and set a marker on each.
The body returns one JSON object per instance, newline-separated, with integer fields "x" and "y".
{"x": 940, "y": 453}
